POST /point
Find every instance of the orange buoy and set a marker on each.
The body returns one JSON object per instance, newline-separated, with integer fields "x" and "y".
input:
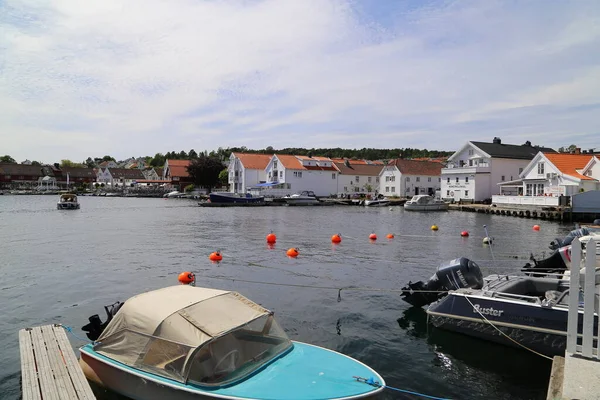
{"x": 293, "y": 252}
{"x": 390, "y": 236}
{"x": 337, "y": 238}
{"x": 373, "y": 236}
{"x": 186, "y": 277}
{"x": 271, "y": 238}
{"x": 464, "y": 234}
{"x": 536, "y": 227}
{"x": 215, "y": 256}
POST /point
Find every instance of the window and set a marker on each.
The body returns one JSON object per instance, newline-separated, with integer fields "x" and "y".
{"x": 393, "y": 189}
{"x": 418, "y": 179}
{"x": 376, "y": 179}
{"x": 466, "y": 193}
{"x": 357, "y": 179}
{"x": 387, "y": 178}
{"x": 439, "y": 179}
{"x": 502, "y": 178}
{"x": 520, "y": 171}
{"x": 541, "y": 168}
{"x": 393, "y": 179}
{"x": 333, "y": 175}
{"x": 429, "y": 179}
{"x": 281, "y": 174}
{"x": 369, "y": 179}
{"x": 274, "y": 164}
{"x": 298, "y": 174}
{"x": 408, "y": 179}
{"x": 356, "y": 189}
{"x": 345, "y": 188}
{"x": 471, "y": 152}
{"x": 466, "y": 179}
{"x": 470, "y": 163}
{"x": 387, "y": 188}
{"x": 447, "y": 193}
{"x": 448, "y": 179}
{"x": 457, "y": 179}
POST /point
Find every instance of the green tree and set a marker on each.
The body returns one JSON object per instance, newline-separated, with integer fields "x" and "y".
{"x": 158, "y": 160}
{"x": 224, "y": 177}
{"x": 108, "y": 158}
{"x": 36, "y": 163}
{"x": 69, "y": 163}
{"x": 205, "y": 171}
{"x": 192, "y": 154}
{"x": 90, "y": 162}
{"x": 189, "y": 188}
{"x": 7, "y": 159}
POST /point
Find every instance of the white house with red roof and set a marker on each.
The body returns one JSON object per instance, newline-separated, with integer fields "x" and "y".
{"x": 292, "y": 174}
{"x": 247, "y": 170}
{"x": 357, "y": 176}
{"x": 549, "y": 176}
{"x": 406, "y": 178}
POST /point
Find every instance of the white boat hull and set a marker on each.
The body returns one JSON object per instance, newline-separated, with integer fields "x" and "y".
{"x": 377, "y": 203}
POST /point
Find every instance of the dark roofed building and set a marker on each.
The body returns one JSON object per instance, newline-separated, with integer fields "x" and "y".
{"x": 522, "y": 152}
{"x": 21, "y": 176}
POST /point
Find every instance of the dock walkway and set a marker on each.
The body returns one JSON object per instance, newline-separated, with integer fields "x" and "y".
{"x": 49, "y": 367}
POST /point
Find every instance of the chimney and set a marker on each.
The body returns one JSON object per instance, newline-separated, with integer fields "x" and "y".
{"x": 527, "y": 143}
{"x": 590, "y": 150}
{"x": 578, "y": 150}
{"x": 497, "y": 140}
{"x": 347, "y": 163}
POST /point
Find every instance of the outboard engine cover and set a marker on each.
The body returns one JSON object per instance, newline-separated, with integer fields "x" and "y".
{"x": 94, "y": 329}
{"x": 557, "y": 262}
{"x": 566, "y": 241}
{"x": 455, "y": 274}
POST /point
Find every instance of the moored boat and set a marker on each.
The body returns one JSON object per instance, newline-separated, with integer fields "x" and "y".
{"x": 423, "y": 202}
{"x": 227, "y": 197}
{"x": 185, "y": 342}
{"x": 68, "y": 201}
{"x": 304, "y": 198}
{"x": 379, "y": 201}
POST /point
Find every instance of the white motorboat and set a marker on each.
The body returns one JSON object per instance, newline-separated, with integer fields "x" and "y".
{"x": 67, "y": 201}
{"x": 185, "y": 342}
{"x": 175, "y": 193}
{"x": 423, "y": 202}
{"x": 379, "y": 201}
{"x": 304, "y": 198}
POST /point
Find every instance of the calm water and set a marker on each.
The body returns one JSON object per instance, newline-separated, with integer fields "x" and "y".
{"x": 63, "y": 266}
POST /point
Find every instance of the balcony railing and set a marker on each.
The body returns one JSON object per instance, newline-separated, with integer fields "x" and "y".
{"x": 525, "y": 200}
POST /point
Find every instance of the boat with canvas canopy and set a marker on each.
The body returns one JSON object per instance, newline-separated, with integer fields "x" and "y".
{"x": 186, "y": 342}
{"x": 67, "y": 201}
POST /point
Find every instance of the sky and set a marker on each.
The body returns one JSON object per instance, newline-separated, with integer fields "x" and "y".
{"x": 137, "y": 77}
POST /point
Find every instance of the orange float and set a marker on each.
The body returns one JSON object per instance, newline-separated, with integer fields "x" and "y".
{"x": 373, "y": 236}
{"x": 186, "y": 278}
{"x": 337, "y": 238}
{"x": 271, "y": 238}
{"x": 536, "y": 227}
{"x": 464, "y": 234}
{"x": 293, "y": 252}
{"x": 390, "y": 236}
{"x": 215, "y": 256}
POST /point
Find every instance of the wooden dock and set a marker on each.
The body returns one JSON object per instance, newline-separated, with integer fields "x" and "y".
{"x": 49, "y": 367}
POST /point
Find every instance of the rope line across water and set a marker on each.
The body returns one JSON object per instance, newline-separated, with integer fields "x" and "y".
{"x": 372, "y": 382}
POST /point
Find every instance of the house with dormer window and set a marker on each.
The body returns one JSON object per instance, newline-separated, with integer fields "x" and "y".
{"x": 292, "y": 174}
{"x": 475, "y": 170}
{"x": 246, "y": 170}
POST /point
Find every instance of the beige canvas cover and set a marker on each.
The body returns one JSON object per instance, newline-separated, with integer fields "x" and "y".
{"x": 172, "y": 322}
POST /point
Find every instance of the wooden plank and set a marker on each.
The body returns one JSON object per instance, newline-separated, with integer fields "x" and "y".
{"x": 30, "y": 385}
{"x": 45, "y": 374}
{"x": 573, "y": 314}
{"x": 82, "y": 387}
{"x": 589, "y": 294}
{"x": 62, "y": 378}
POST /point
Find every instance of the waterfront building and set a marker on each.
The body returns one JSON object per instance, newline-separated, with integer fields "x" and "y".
{"x": 406, "y": 178}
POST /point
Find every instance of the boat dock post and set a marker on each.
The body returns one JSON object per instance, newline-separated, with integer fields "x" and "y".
{"x": 49, "y": 367}
{"x": 577, "y": 374}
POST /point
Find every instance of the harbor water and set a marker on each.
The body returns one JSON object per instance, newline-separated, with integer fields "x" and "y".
{"x": 63, "y": 266}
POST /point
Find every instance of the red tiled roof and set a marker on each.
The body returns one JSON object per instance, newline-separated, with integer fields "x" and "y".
{"x": 412, "y": 167}
{"x": 179, "y": 168}
{"x": 290, "y": 162}
{"x": 254, "y": 161}
{"x": 569, "y": 163}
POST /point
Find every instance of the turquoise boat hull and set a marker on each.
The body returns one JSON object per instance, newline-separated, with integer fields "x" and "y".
{"x": 305, "y": 372}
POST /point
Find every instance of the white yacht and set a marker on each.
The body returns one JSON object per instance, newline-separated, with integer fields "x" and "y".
{"x": 423, "y": 202}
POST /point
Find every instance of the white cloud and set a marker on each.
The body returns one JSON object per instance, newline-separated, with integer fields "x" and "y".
{"x": 137, "y": 77}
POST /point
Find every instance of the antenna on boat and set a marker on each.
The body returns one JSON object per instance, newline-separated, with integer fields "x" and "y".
{"x": 488, "y": 240}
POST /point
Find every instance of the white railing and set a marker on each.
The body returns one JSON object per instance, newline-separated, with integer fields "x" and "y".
{"x": 526, "y": 200}
{"x": 588, "y": 348}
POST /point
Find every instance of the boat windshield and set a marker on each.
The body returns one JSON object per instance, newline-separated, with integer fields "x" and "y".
{"x": 237, "y": 354}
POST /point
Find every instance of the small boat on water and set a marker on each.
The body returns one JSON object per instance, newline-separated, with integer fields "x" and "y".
{"x": 174, "y": 193}
{"x": 227, "y": 197}
{"x": 379, "y": 201}
{"x": 304, "y": 198}
{"x": 186, "y": 342}
{"x": 423, "y": 202}
{"x": 68, "y": 201}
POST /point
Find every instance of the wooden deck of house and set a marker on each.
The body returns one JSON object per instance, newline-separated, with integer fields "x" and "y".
{"x": 49, "y": 367}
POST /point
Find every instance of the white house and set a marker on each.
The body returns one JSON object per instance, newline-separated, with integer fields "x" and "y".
{"x": 406, "y": 178}
{"x": 556, "y": 174}
{"x": 247, "y": 170}
{"x": 357, "y": 176}
{"x": 592, "y": 168}
{"x": 297, "y": 173}
{"x": 108, "y": 164}
{"x": 476, "y": 169}
{"x": 119, "y": 176}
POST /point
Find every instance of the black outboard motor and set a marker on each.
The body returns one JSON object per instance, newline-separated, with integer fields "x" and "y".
{"x": 456, "y": 274}
{"x": 94, "y": 329}
{"x": 555, "y": 263}
{"x": 566, "y": 241}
